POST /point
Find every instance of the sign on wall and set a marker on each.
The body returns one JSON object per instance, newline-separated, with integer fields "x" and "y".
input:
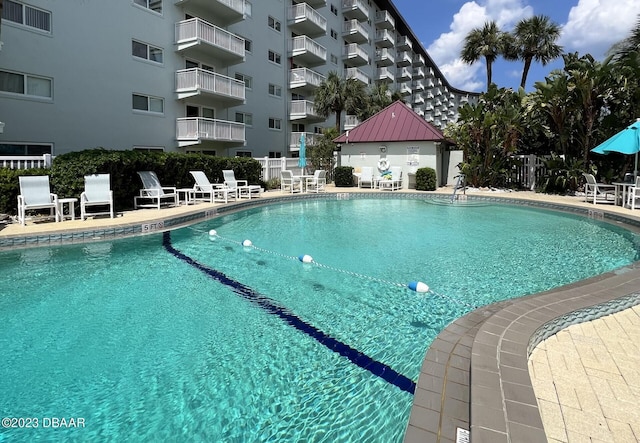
{"x": 413, "y": 156}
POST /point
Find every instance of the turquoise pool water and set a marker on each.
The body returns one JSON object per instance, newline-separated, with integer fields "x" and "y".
{"x": 178, "y": 337}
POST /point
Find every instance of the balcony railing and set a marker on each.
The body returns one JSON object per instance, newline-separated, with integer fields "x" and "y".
{"x": 357, "y": 9}
{"x": 404, "y": 43}
{"x": 385, "y": 20}
{"x": 403, "y": 73}
{"x": 385, "y": 57}
{"x": 384, "y": 38}
{"x": 404, "y": 58}
{"x": 357, "y": 74}
{"x": 418, "y": 72}
{"x": 350, "y": 122}
{"x": 305, "y": 77}
{"x": 190, "y": 82}
{"x": 306, "y": 19}
{"x": 193, "y": 130}
{"x": 226, "y": 11}
{"x": 308, "y": 50}
{"x": 354, "y": 32}
{"x": 385, "y": 75}
{"x": 418, "y": 60}
{"x": 310, "y": 138}
{"x": 302, "y": 109}
{"x": 353, "y": 54}
{"x": 223, "y": 44}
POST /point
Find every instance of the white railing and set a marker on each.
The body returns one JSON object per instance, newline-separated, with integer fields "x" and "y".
{"x": 199, "y": 79}
{"x": 354, "y": 50}
{"x": 404, "y": 41}
{"x": 384, "y": 16}
{"x": 302, "y": 76}
{"x": 418, "y": 72}
{"x": 302, "y": 43}
{"x": 302, "y": 108}
{"x": 303, "y": 11}
{"x": 530, "y": 171}
{"x": 404, "y": 56}
{"x": 358, "y": 74}
{"x": 385, "y": 53}
{"x": 419, "y": 85}
{"x": 350, "y": 122}
{"x": 196, "y": 29}
{"x": 199, "y": 128}
{"x": 311, "y": 138}
{"x": 355, "y": 4}
{"x": 272, "y": 167}
{"x": 237, "y": 5}
{"x": 404, "y": 73}
{"x": 384, "y": 34}
{"x": 354, "y": 26}
{"x": 26, "y": 161}
{"x": 418, "y": 60}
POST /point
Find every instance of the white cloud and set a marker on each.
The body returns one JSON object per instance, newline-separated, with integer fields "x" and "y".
{"x": 445, "y": 50}
{"x": 594, "y": 25}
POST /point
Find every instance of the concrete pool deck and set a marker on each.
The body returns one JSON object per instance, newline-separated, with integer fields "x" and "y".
{"x": 495, "y": 371}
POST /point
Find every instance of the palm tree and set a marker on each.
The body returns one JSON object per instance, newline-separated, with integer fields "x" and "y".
{"x": 534, "y": 39}
{"x": 625, "y": 48}
{"x": 484, "y": 42}
{"x": 337, "y": 94}
{"x": 379, "y": 96}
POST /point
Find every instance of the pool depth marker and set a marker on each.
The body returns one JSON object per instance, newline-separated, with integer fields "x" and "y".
{"x": 356, "y": 357}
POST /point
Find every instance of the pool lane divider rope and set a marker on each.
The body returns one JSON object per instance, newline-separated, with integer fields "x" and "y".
{"x": 416, "y": 286}
{"x": 356, "y": 357}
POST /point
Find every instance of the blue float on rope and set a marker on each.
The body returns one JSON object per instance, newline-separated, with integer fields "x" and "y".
{"x": 418, "y": 286}
{"x": 305, "y": 258}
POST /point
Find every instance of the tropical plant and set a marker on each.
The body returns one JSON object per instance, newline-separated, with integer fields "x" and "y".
{"x": 532, "y": 39}
{"x": 486, "y": 42}
{"x": 337, "y": 94}
{"x": 562, "y": 176}
{"x": 426, "y": 179}
{"x": 320, "y": 153}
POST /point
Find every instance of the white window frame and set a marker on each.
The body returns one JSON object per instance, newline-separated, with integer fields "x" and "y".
{"x": 148, "y": 52}
{"x": 26, "y": 148}
{"x": 25, "y": 86}
{"x": 149, "y": 101}
{"x": 275, "y": 58}
{"x": 274, "y": 24}
{"x": 247, "y": 79}
{"x": 244, "y": 117}
{"x": 275, "y": 124}
{"x": 147, "y": 4}
{"x": 275, "y": 90}
{"x": 24, "y": 19}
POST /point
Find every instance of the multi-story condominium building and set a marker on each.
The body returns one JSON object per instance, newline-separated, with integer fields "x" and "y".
{"x": 224, "y": 77}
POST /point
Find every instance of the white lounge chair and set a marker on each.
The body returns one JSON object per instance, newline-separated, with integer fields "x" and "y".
{"x": 154, "y": 192}
{"x": 241, "y": 187}
{"x": 318, "y": 182}
{"x": 367, "y": 178}
{"x": 598, "y": 192}
{"x": 289, "y": 183}
{"x": 395, "y": 182}
{"x": 35, "y": 193}
{"x": 206, "y": 191}
{"x": 97, "y": 192}
{"x": 633, "y": 194}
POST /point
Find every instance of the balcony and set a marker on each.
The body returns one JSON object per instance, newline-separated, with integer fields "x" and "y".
{"x": 304, "y": 110}
{"x": 306, "y": 51}
{"x": 385, "y": 38}
{"x": 418, "y": 99}
{"x": 354, "y": 55}
{"x": 310, "y": 138}
{"x": 384, "y": 20}
{"x": 358, "y": 75}
{"x": 354, "y": 32}
{"x": 303, "y": 19}
{"x": 385, "y": 75}
{"x": 403, "y": 74}
{"x": 355, "y": 9}
{"x": 350, "y": 122}
{"x": 313, "y": 3}
{"x": 227, "y": 11}
{"x": 196, "y": 37}
{"x": 198, "y": 82}
{"x": 195, "y": 130}
{"x": 418, "y": 72}
{"x": 418, "y": 85}
{"x": 405, "y": 88}
{"x": 385, "y": 57}
{"x": 418, "y": 60}
{"x": 404, "y": 43}
{"x": 305, "y": 79}
{"x": 404, "y": 58}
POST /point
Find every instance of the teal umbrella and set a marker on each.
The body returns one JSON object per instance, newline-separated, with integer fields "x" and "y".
{"x": 302, "y": 160}
{"x": 626, "y": 141}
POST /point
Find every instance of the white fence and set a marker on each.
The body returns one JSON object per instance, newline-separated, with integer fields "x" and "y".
{"x": 26, "y": 161}
{"x": 531, "y": 170}
{"x": 271, "y": 167}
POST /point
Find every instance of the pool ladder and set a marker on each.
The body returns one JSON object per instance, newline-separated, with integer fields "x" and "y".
{"x": 460, "y": 183}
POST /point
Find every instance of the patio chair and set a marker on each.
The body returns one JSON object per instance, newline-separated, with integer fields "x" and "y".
{"x": 289, "y": 183}
{"x": 241, "y": 187}
{"x": 97, "y": 192}
{"x": 206, "y": 191}
{"x": 598, "y": 192}
{"x": 318, "y": 182}
{"x": 395, "y": 182}
{"x": 633, "y": 194}
{"x": 154, "y": 192}
{"x": 35, "y": 193}
{"x": 367, "y": 178}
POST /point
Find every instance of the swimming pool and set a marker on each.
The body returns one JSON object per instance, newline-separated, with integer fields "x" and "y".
{"x": 179, "y": 336}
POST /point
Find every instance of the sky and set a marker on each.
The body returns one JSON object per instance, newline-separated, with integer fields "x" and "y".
{"x": 587, "y": 26}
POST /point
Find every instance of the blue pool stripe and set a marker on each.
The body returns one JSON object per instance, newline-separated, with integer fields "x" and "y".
{"x": 356, "y": 357}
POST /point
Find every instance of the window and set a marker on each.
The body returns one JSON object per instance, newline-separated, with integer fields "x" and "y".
{"x": 25, "y": 84}
{"x": 153, "y": 5}
{"x": 148, "y": 148}
{"x": 147, "y": 52}
{"x": 25, "y": 149}
{"x": 243, "y": 154}
{"x": 148, "y": 103}
{"x": 334, "y": 10}
{"x": 274, "y": 154}
{"x": 244, "y": 117}
{"x": 334, "y": 59}
{"x": 334, "y": 34}
{"x": 275, "y": 57}
{"x": 275, "y": 90}
{"x": 248, "y": 45}
{"x": 275, "y": 24}
{"x": 275, "y": 123}
{"x": 248, "y": 81}
{"x": 26, "y": 15}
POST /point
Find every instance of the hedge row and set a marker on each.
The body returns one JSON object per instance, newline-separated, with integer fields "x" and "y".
{"x": 68, "y": 171}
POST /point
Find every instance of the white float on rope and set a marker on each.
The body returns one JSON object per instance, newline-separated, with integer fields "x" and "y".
{"x": 305, "y": 258}
{"x": 247, "y": 243}
{"x": 418, "y": 286}
{"x": 213, "y": 233}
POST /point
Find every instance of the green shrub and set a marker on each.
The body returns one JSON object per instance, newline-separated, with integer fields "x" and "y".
{"x": 343, "y": 176}
{"x": 426, "y": 179}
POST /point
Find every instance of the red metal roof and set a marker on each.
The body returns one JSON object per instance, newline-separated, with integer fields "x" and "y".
{"x": 396, "y": 122}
